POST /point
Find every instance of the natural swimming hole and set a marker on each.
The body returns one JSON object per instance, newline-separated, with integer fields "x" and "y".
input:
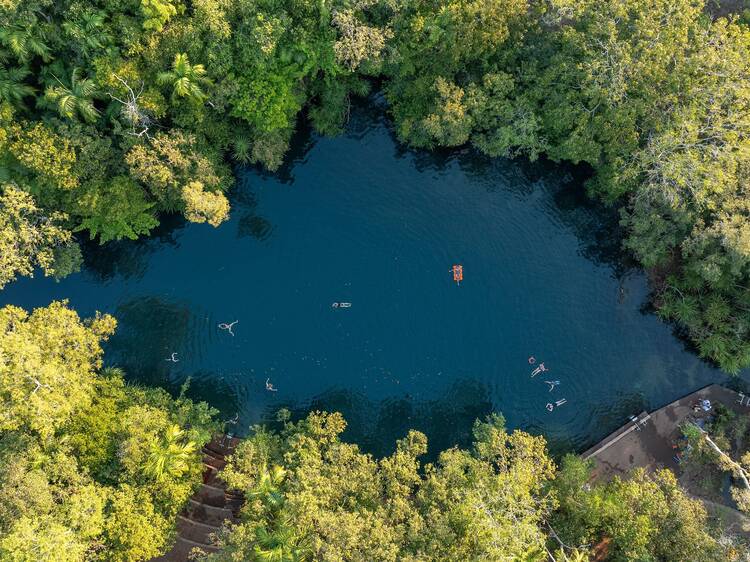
{"x": 359, "y": 219}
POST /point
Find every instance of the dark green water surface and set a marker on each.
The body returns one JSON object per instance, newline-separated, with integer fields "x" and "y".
{"x": 359, "y": 219}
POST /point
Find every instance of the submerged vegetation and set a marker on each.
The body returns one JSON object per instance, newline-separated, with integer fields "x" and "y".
{"x": 113, "y": 112}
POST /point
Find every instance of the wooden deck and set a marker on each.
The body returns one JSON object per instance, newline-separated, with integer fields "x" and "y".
{"x": 649, "y": 442}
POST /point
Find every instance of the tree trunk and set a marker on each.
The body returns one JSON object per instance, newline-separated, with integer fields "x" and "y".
{"x": 738, "y": 469}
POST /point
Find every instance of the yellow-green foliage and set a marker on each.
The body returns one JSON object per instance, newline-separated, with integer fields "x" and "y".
{"x": 318, "y": 498}
{"x": 90, "y": 468}
{"x": 28, "y": 238}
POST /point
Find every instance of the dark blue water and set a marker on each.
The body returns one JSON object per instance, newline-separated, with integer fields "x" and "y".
{"x": 359, "y": 219}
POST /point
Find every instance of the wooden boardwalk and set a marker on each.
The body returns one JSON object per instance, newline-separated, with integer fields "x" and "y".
{"x": 210, "y": 507}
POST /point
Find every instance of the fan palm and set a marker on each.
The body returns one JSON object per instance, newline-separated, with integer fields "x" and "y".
{"x": 75, "y": 99}
{"x": 186, "y": 79}
{"x": 170, "y": 457}
{"x": 12, "y": 86}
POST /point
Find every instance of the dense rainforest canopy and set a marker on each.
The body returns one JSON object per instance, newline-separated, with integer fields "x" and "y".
{"x": 113, "y": 112}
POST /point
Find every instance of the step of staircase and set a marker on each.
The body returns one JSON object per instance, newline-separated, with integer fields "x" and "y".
{"x": 196, "y": 531}
{"x": 209, "y": 508}
{"x": 182, "y": 549}
{"x": 209, "y": 514}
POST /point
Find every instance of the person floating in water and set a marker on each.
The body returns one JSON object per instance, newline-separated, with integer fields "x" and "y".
{"x": 172, "y": 358}
{"x": 540, "y": 369}
{"x": 269, "y": 386}
{"x": 559, "y": 403}
{"x": 552, "y": 384}
{"x": 228, "y": 327}
{"x": 341, "y": 305}
{"x": 458, "y": 273}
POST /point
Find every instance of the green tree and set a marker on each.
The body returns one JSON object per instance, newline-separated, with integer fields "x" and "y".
{"x": 170, "y": 456}
{"x": 157, "y": 13}
{"x": 29, "y": 239}
{"x": 325, "y": 500}
{"x": 49, "y": 367}
{"x": 644, "y": 517}
{"x": 115, "y": 210}
{"x": 13, "y": 88}
{"x": 88, "y": 464}
{"x": 75, "y": 98}
{"x": 186, "y": 80}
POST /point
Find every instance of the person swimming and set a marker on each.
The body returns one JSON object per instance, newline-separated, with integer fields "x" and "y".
{"x": 269, "y": 386}
{"x": 540, "y": 369}
{"x": 228, "y": 327}
{"x": 552, "y": 384}
{"x": 172, "y": 358}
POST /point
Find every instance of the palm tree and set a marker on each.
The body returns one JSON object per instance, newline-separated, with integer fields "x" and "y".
{"x": 20, "y": 40}
{"x": 74, "y": 99}
{"x": 186, "y": 79}
{"x": 89, "y": 32}
{"x": 268, "y": 488}
{"x": 169, "y": 457}
{"x": 12, "y": 87}
{"x": 282, "y": 543}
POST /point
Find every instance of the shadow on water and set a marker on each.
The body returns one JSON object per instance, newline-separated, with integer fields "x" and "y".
{"x": 129, "y": 258}
{"x": 149, "y": 330}
{"x": 596, "y": 225}
{"x": 244, "y": 203}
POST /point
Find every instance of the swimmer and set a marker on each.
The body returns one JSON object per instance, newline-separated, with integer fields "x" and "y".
{"x": 552, "y": 384}
{"x": 228, "y": 327}
{"x": 540, "y": 369}
{"x": 172, "y": 358}
{"x": 269, "y": 386}
{"x": 532, "y": 360}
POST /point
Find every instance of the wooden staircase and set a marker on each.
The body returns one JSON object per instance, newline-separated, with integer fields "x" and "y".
{"x": 209, "y": 507}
